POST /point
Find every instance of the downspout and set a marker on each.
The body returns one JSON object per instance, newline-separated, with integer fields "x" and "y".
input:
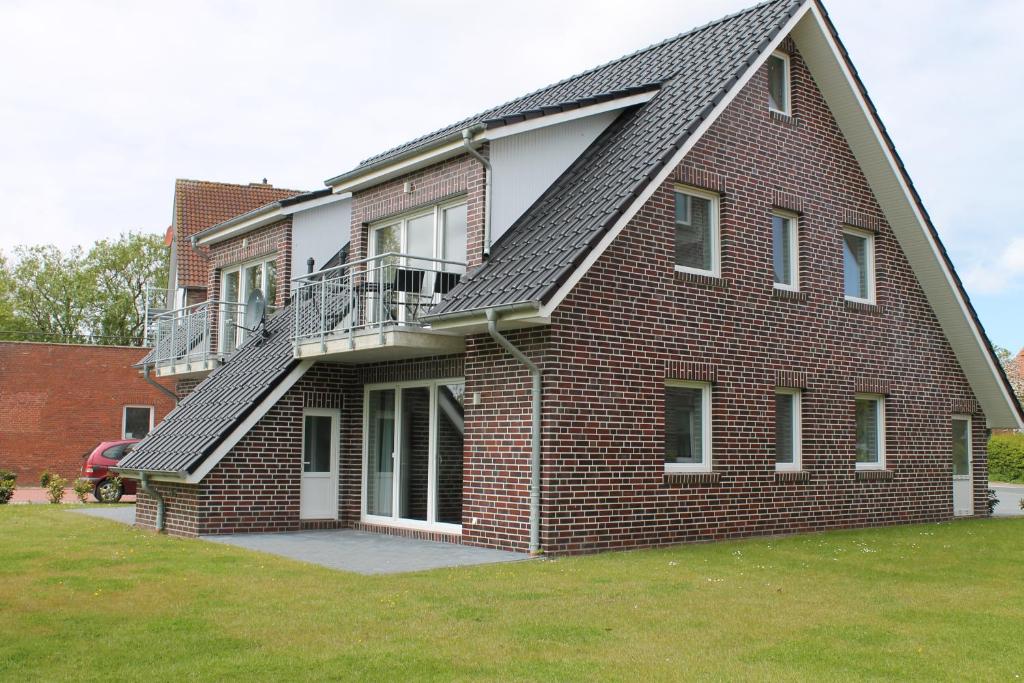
{"x": 492, "y": 329}
{"x": 161, "y": 387}
{"x": 467, "y": 142}
{"x": 149, "y": 491}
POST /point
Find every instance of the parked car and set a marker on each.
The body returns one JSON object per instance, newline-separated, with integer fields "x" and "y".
{"x": 96, "y": 470}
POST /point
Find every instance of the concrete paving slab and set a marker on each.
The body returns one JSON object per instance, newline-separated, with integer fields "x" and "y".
{"x": 122, "y": 513}
{"x": 366, "y": 553}
{"x": 1010, "y": 496}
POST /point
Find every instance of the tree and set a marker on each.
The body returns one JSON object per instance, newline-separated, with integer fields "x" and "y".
{"x": 1014, "y": 368}
{"x": 53, "y": 293}
{"x": 122, "y": 270}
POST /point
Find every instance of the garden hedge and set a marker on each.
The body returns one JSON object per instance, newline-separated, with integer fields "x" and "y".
{"x": 1006, "y": 458}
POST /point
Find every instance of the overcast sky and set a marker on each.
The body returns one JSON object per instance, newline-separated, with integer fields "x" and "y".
{"x": 104, "y": 104}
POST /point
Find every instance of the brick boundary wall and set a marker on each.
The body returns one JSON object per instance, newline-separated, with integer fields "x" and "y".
{"x": 58, "y": 401}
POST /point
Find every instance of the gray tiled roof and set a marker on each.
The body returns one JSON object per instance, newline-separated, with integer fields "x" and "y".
{"x": 696, "y": 71}
{"x": 206, "y": 416}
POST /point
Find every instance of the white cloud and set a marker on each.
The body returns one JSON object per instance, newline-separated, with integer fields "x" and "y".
{"x": 1002, "y": 272}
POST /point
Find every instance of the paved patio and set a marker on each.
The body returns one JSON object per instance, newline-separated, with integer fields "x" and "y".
{"x": 366, "y": 553}
{"x": 117, "y": 513}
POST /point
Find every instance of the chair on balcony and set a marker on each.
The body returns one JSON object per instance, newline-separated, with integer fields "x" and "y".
{"x": 408, "y": 282}
{"x": 445, "y": 282}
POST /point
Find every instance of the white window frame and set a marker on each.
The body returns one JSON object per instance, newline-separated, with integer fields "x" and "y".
{"x": 870, "y": 265}
{"x": 706, "y": 464}
{"x": 402, "y": 221}
{"x": 798, "y": 458}
{"x": 124, "y": 418}
{"x": 880, "y": 403}
{"x": 787, "y": 85}
{"x": 242, "y": 295}
{"x": 716, "y": 230}
{"x": 794, "y": 249}
{"x": 432, "y": 471}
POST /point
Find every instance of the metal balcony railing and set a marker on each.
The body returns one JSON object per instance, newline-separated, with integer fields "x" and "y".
{"x": 372, "y": 295}
{"x": 196, "y": 335}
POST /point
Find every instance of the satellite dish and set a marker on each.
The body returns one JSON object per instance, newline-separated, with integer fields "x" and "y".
{"x": 255, "y": 310}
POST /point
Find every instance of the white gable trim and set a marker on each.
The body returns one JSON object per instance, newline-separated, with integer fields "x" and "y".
{"x": 652, "y": 187}
{"x": 565, "y": 116}
{"x": 891, "y": 188}
{"x": 258, "y": 218}
{"x": 249, "y": 422}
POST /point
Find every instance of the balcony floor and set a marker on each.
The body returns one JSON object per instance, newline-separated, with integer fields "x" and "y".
{"x": 370, "y": 346}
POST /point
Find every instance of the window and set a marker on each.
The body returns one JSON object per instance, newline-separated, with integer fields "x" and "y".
{"x": 687, "y": 427}
{"x": 316, "y": 442}
{"x": 787, "y": 429}
{"x": 237, "y": 283}
{"x": 697, "y": 238}
{"x": 870, "y": 432}
{"x": 436, "y": 233}
{"x": 859, "y": 265}
{"x": 785, "y": 251}
{"x": 778, "y": 83}
{"x": 961, "y": 445}
{"x": 137, "y": 421}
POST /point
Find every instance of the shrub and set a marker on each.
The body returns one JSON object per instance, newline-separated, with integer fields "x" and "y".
{"x": 7, "y": 475}
{"x": 6, "y": 490}
{"x": 82, "y": 488}
{"x": 992, "y": 501}
{"x": 44, "y": 479}
{"x": 55, "y": 488}
{"x": 1006, "y": 458}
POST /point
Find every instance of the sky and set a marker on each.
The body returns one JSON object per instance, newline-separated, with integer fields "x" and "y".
{"x": 103, "y": 104}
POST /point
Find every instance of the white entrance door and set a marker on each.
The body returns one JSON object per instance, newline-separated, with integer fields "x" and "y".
{"x": 318, "y": 494}
{"x": 963, "y": 467}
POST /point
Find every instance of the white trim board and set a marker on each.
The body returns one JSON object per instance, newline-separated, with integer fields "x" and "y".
{"x": 263, "y": 216}
{"x": 248, "y": 423}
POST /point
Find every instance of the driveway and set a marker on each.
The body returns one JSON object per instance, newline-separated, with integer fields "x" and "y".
{"x": 1010, "y": 496}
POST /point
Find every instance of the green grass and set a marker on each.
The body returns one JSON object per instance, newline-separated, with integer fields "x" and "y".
{"x": 82, "y": 598}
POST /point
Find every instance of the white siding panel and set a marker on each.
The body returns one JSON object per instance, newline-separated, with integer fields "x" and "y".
{"x": 526, "y": 164}
{"x": 319, "y": 232}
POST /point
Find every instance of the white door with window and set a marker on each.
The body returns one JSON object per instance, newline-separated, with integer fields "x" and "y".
{"x": 963, "y": 467}
{"x": 318, "y": 495}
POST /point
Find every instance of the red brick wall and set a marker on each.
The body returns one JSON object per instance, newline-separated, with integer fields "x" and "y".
{"x": 632, "y": 322}
{"x": 58, "y": 401}
{"x": 462, "y": 175}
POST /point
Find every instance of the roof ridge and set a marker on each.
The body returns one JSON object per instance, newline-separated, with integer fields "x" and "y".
{"x": 685, "y": 34}
{"x": 254, "y": 186}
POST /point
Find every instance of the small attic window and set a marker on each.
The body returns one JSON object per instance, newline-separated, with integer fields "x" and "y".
{"x": 778, "y": 83}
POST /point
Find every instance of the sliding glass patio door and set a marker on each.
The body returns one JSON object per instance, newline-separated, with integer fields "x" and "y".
{"x": 413, "y": 444}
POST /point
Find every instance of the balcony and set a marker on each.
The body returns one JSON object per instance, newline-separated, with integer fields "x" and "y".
{"x": 372, "y": 309}
{"x": 193, "y": 339}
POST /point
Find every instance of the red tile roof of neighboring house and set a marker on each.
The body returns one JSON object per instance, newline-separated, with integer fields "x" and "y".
{"x": 198, "y": 204}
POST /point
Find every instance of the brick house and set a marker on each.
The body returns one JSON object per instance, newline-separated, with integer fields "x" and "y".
{"x": 51, "y": 417}
{"x": 687, "y": 295}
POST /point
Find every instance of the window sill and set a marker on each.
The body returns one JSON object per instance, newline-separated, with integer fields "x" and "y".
{"x": 862, "y": 307}
{"x": 874, "y": 475}
{"x": 701, "y": 279}
{"x": 783, "y": 117}
{"x": 789, "y": 294}
{"x": 791, "y": 476}
{"x": 706, "y": 478}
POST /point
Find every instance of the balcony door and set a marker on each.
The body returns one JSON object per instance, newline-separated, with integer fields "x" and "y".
{"x": 237, "y": 283}
{"x": 412, "y": 465}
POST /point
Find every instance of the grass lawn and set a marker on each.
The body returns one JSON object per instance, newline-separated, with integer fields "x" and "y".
{"x": 83, "y": 598}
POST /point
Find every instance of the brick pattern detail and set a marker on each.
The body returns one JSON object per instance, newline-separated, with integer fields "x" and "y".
{"x": 874, "y": 475}
{"x": 420, "y": 534}
{"x": 790, "y": 295}
{"x": 697, "y": 372}
{"x": 703, "y": 478}
{"x": 436, "y": 367}
{"x": 787, "y": 201}
{"x": 791, "y": 379}
{"x": 861, "y": 307}
{"x": 863, "y": 385}
{"x": 700, "y": 178}
{"x": 702, "y": 280}
{"x": 863, "y": 221}
{"x": 792, "y": 477}
{"x": 967, "y": 406}
{"x": 58, "y": 401}
{"x": 462, "y": 175}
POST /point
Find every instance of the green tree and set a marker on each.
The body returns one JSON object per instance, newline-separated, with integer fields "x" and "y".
{"x": 121, "y": 270}
{"x": 53, "y": 293}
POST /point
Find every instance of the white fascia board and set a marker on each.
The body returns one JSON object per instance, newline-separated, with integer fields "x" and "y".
{"x": 215, "y": 235}
{"x": 549, "y": 308}
{"x": 249, "y": 422}
{"x": 891, "y": 187}
{"x": 565, "y": 116}
{"x": 426, "y": 158}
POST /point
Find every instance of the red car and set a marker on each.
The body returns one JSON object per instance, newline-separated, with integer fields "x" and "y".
{"x": 96, "y": 469}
